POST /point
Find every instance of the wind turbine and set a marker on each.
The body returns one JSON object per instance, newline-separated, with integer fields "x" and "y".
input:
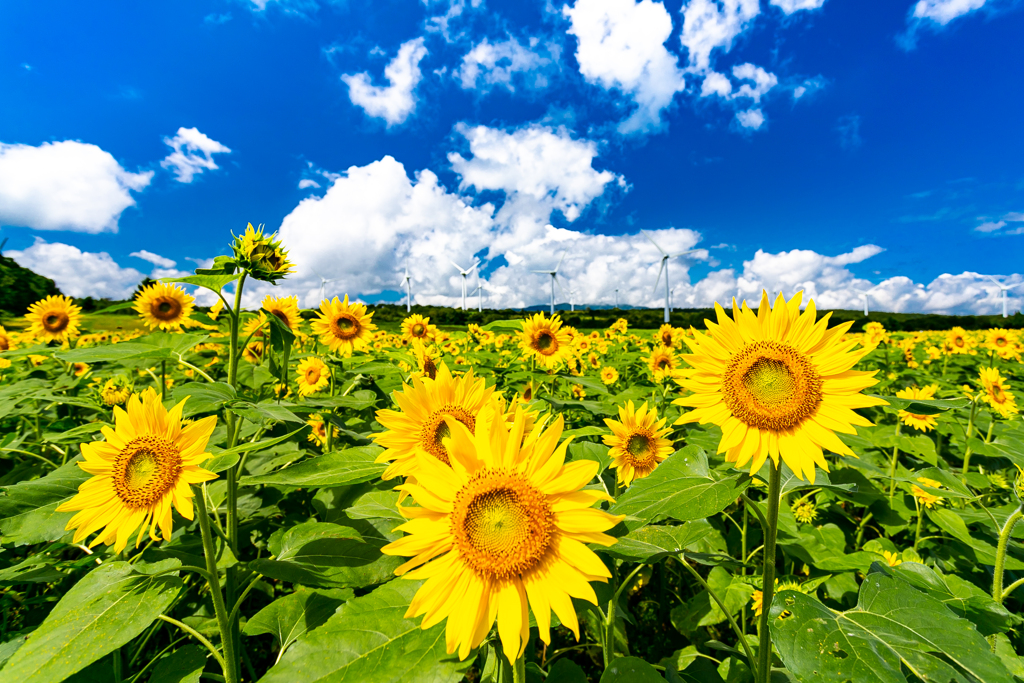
{"x": 616, "y": 298}
{"x": 323, "y": 283}
{"x": 864, "y": 295}
{"x": 554, "y": 278}
{"x": 1003, "y": 289}
{"x": 408, "y": 290}
{"x": 479, "y": 294}
{"x": 464, "y": 272}
{"x": 665, "y": 256}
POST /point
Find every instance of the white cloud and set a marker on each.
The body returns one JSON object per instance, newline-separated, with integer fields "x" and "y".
{"x": 791, "y": 6}
{"x": 1007, "y": 220}
{"x": 760, "y": 81}
{"x": 396, "y": 101}
{"x": 809, "y": 87}
{"x": 621, "y": 47}
{"x": 79, "y": 273}
{"x": 716, "y": 84}
{"x": 65, "y": 185}
{"x": 488, "y": 64}
{"x": 942, "y": 12}
{"x": 443, "y": 23}
{"x": 155, "y": 259}
{"x": 751, "y": 118}
{"x": 712, "y": 24}
{"x": 990, "y": 226}
{"x": 193, "y": 154}
{"x": 754, "y": 83}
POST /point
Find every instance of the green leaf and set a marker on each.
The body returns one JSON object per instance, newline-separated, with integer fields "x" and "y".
{"x": 681, "y": 488}
{"x": 28, "y": 510}
{"x": 566, "y": 671}
{"x": 630, "y": 670}
{"x": 369, "y": 639}
{"x": 281, "y": 339}
{"x": 352, "y": 466}
{"x": 954, "y": 525}
{"x": 33, "y": 569}
{"x": 790, "y": 482}
{"x": 203, "y": 397}
{"x": 504, "y": 326}
{"x": 214, "y": 283}
{"x": 702, "y": 610}
{"x": 265, "y": 411}
{"x": 111, "y": 605}
{"x": 290, "y": 617}
{"x": 893, "y": 624}
{"x": 585, "y": 450}
{"x": 962, "y": 597}
{"x": 651, "y": 543}
{"x": 376, "y": 505}
{"x": 115, "y": 352}
{"x": 246, "y": 447}
{"x": 923, "y": 406}
{"x": 184, "y": 665}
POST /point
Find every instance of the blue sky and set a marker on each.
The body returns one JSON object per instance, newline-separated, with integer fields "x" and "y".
{"x": 826, "y": 145}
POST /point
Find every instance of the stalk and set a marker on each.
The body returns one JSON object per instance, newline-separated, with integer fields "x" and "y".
{"x": 967, "y": 442}
{"x": 519, "y": 670}
{"x": 764, "y": 651}
{"x": 895, "y": 461}
{"x": 230, "y": 664}
{"x": 997, "y": 578}
{"x": 232, "y": 474}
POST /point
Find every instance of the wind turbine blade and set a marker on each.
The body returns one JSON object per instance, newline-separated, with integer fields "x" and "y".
{"x": 475, "y": 264}
{"x": 997, "y": 282}
{"x": 1009, "y": 287}
{"x": 659, "y": 275}
{"x": 560, "y": 262}
{"x": 653, "y": 242}
{"x": 559, "y": 283}
{"x": 546, "y": 272}
{"x": 461, "y": 269}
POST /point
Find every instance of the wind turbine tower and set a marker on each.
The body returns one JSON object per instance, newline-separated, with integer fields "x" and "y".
{"x": 1003, "y": 289}
{"x": 864, "y": 295}
{"x": 554, "y": 280}
{"x": 408, "y": 290}
{"x": 464, "y": 272}
{"x": 665, "y": 256}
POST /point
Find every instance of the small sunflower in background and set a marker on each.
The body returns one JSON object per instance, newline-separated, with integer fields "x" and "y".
{"x": 805, "y": 511}
{"x": 418, "y": 328}
{"x": 115, "y": 391}
{"x": 314, "y": 376}
{"x": 55, "y": 318}
{"x": 609, "y": 375}
{"x": 147, "y": 463}
{"x": 253, "y": 352}
{"x": 543, "y": 339}
{"x": 892, "y": 559}
{"x": 164, "y": 305}
{"x": 593, "y": 360}
{"x": 318, "y": 429}
{"x": 344, "y": 327}
{"x": 285, "y": 309}
{"x": 7, "y": 342}
{"x": 958, "y": 341}
{"x": 1003, "y": 342}
{"x": 667, "y": 335}
{"x": 578, "y": 392}
{"x": 637, "y": 443}
{"x": 921, "y": 423}
{"x": 426, "y": 359}
{"x": 661, "y": 362}
{"x": 79, "y": 369}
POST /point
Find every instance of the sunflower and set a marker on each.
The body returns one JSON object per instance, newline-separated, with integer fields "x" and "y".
{"x": 426, "y": 359}
{"x": 609, "y": 375}
{"x": 778, "y": 383}
{"x": 115, "y": 391}
{"x": 544, "y": 340}
{"x": 80, "y": 368}
{"x": 593, "y": 360}
{"x": 919, "y": 422}
{"x": 314, "y": 375}
{"x": 874, "y": 334}
{"x": 997, "y": 392}
{"x": 54, "y": 318}
{"x": 805, "y": 512}
{"x": 636, "y": 442}
{"x": 145, "y": 464}
{"x": 417, "y": 328}
{"x": 503, "y": 530}
{"x": 929, "y": 500}
{"x": 344, "y": 327}
{"x": 959, "y": 342}
{"x": 661, "y": 362}
{"x": 164, "y": 306}
{"x": 7, "y": 343}
{"x": 285, "y": 309}
{"x": 318, "y": 431}
{"x": 892, "y": 559}
{"x": 1003, "y": 342}
{"x": 261, "y": 255}
{"x": 757, "y": 598}
{"x": 253, "y": 352}
{"x": 420, "y": 425}
{"x": 216, "y": 308}
{"x": 667, "y": 335}
{"x": 578, "y": 392}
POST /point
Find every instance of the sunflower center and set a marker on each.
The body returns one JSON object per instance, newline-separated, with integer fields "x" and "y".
{"x": 56, "y": 321}
{"x": 345, "y": 326}
{"x": 770, "y": 385}
{"x": 282, "y": 317}
{"x": 546, "y": 343}
{"x": 312, "y": 375}
{"x": 417, "y": 330}
{"x": 503, "y": 525}
{"x": 435, "y": 430}
{"x": 1000, "y": 341}
{"x": 5, "y": 343}
{"x": 166, "y": 308}
{"x": 145, "y": 470}
{"x": 662, "y": 363}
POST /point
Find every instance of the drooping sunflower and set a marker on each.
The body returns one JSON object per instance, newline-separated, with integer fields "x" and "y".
{"x": 147, "y": 463}
{"x": 54, "y": 318}
{"x": 314, "y": 375}
{"x": 500, "y": 532}
{"x": 253, "y": 352}
{"x": 919, "y": 422}
{"x": 426, "y": 359}
{"x": 543, "y": 339}
{"x": 116, "y": 391}
{"x": 637, "y": 442}
{"x": 262, "y": 256}
{"x": 997, "y": 392}
{"x": 778, "y": 383}
{"x": 417, "y": 328}
{"x": 958, "y": 341}
{"x": 874, "y": 334}
{"x": 285, "y": 309}
{"x": 344, "y": 327}
{"x": 6, "y": 342}
{"x": 80, "y": 368}
{"x": 420, "y": 423}
{"x": 609, "y": 375}
{"x": 164, "y": 305}
{"x": 661, "y": 362}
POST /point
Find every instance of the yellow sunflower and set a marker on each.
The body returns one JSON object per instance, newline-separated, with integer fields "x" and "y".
{"x": 501, "y": 531}
{"x": 593, "y": 360}
{"x": 426, "y": 360}
{"x": 661, "y": 362}
{"x": 578, "y": 392}
{"x": 609, "y": 375}
{"x": 261, "y": 255}
{"x": 997, "y": 392}
{"x": 216, "y": 308}
{"x": 54, "y": 318}
{"x": 958, "y": 341}
{"x": 543, "y": 339}
{"x": 314, "y": 375}
{"x": 80, "y": 368}
{"x": 163, "y": 305}
{"x": 417, "y": 328}
{"x": 892, "y": 559}
{"x": 7, "y": 343}
{"x": 285, "y": 309}
{"x": 929, "y": 500}
{"x": 874, "y": 334}
{"x": 919, "y": 422}
{"x": 1003, "y": 342}
{"x": 636, "y": 442}
{"x": 253, "y": 352}
{"x": 778, "y": 383}
{"x": 344, "y": 327}
{"x": 146, "y": 463}
{"x": 318, "y": 433}
{"x": 667, "y": 335}
{"x": 115, "y": 391}
{"x": 420, "y": 423}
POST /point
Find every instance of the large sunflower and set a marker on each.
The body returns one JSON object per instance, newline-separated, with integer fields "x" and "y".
{"x": 146, "y": 463}
{"x": 420, "y": 424}
{"x": 54, "y": 318}
{"x": 417, "y": 328}
{"x": 637, "y": 443}
{"x": 314, "y": 375}
{"x": 778, "y": 383}
{"x": 163, "y": 305}
{"x": 544, "y": 339}
{"x": 500, "y": 531}
{"x": 344, "y": 327}
{"x": 285, "y": 309}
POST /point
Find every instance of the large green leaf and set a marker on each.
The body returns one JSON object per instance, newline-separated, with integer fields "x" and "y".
{"x": 106, "y": 609}
{"x": 630, "y": 670}
{"x": 352, "y": 466}
{"x": 203, "y": 397}
{"x": 681, "y": 488}
{"x": 290, "y": 617}
{"x": 115, "y": 352}
{"x": 28, "y": 509}
{"x": 369, "y": 639}
{"x": 963, "y": 597}
{"x": 893, "y": 624}
{"x": 184, "y": 665}
{"x": 923, "y": 406}
{"x": 212, "y": 282}
{"x": 651, "y": 543}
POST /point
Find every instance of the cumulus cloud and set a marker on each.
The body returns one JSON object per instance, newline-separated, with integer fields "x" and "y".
{"x": 65, "y": 185}
{"x": 934, "y": 15}
{"x": 79, "y": 273}
{"x": 791, "y": 6}
{"x": 1013, "y": 222}
{"x": 754, "y": 83}
{"x": 396, "y": 101}
{"x": 192, "y": 154}
{"x": 714, "y": 24}
{"x": 155, "y": 259}
{"x": 621, "y": 47}
{"x": 499, "y": 64}
{"x": 808, "y": 87}
{"x": 751, "y": 119}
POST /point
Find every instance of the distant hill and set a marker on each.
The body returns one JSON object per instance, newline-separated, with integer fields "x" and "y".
{"x": 21, "y": 287}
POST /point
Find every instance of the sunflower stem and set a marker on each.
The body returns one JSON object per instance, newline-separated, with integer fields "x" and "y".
{"x": 764, "y": 651}
{"x": 202, "y": 639}
{"x": 519, "y": 670}
{"x": 1004, "y": 538}
{"x": 967, "y": 441}
{"x": 232, "y": 635}
{"x": 895, "y": 462}
{"x": 229, "y": 662}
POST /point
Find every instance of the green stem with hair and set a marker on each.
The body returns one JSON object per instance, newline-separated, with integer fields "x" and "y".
{"x": 229, "y": 662}
{"x": 609, "y": 622}
{"x": 997, "y": 578}
{"x": 764, "y": 651}
{"x": 895, "y": 461}
{"x": 231, "y": 478}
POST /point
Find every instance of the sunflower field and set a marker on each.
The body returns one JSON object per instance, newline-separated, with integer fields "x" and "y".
{"x": 295, "y": 496}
